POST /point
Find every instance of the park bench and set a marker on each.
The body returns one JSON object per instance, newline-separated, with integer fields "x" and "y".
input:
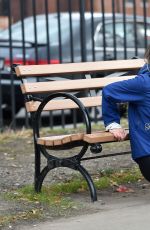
{"x": 58, "y": 96}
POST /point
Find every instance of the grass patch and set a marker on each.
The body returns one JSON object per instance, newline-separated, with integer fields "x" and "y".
{"x": 24, "y": 215}
{"x": 37, "y": 205}
{"x": 117, "y": 177}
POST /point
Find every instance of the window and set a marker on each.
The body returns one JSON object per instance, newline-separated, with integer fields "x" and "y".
{"x": 120, "y": 35}
{"x": 130, "y": 3}
{"x": 4, "y": 7}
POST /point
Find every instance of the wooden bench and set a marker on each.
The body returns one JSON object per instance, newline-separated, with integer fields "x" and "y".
{"x": 58, "y": 96}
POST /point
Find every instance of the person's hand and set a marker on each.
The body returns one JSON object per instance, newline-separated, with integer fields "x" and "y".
{"x": 120, "y": 134}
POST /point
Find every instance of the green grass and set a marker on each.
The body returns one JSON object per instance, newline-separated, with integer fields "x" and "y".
{"x": 117, "y": 177}
{"x": 25, "y": 215}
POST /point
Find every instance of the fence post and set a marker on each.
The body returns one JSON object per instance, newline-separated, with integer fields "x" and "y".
{"x": 1, "y": 108}
{"x": 83, "y": 31}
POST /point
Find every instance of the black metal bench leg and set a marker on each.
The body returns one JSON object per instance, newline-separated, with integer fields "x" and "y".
{"x": 89, "y": 180}
{"x": 37, "y": 166}
{"x": 40, "y": 179}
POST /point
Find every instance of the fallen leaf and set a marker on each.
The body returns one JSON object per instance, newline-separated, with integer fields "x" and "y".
{"x": 123, "y": 188}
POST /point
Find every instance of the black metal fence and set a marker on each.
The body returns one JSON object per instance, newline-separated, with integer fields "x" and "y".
{"x": 75, "y": 35}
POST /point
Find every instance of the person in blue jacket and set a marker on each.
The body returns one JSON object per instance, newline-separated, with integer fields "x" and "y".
{"x": 136, "y": 92}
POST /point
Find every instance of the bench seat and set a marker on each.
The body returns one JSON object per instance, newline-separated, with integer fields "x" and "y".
{"x": 96, "y": 137}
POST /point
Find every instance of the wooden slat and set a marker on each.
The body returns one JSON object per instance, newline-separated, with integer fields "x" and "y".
{"x": 57, "y": 86}
{"x": 32, "y": 106}
{"x": 97, "y": 137}
{"x": 101, "y": 137}
{"x": 59, "y": 140}
{"x": 53, "y": 140}
{"x": 84, "y": 67}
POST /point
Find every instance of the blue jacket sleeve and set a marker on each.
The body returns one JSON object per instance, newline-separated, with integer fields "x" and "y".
{"x": 131, "y": 90}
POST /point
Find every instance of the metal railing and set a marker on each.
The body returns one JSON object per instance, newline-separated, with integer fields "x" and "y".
{"x": 81, "y": 36}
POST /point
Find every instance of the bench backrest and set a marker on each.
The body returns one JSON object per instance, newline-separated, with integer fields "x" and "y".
{"x": 46, "y": 87}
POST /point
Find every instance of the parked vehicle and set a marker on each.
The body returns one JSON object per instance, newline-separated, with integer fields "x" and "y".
{"x": 62, "y": 39}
